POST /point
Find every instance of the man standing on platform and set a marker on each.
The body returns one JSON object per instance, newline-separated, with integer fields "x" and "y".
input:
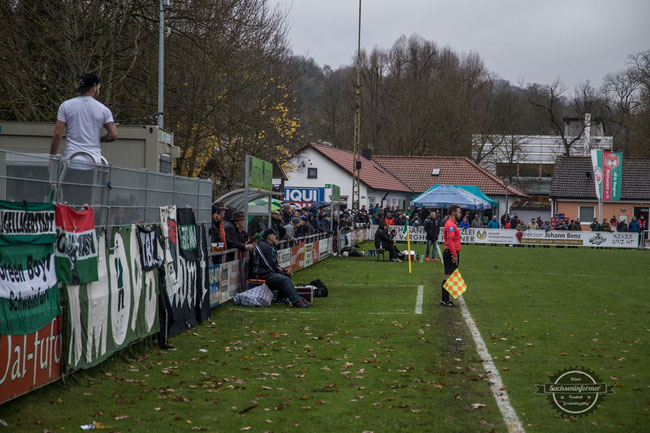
{"x": 451, "y": 255}
{"x": 432, "y": 229}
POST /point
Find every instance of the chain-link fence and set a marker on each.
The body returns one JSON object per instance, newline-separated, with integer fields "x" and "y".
{"x": 119, "y": 196}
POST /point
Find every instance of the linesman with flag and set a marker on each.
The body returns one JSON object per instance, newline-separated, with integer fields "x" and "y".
{"x": 451, "y": 254}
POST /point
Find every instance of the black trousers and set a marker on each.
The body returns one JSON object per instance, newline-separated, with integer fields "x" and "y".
{"x": 450, "y": 267}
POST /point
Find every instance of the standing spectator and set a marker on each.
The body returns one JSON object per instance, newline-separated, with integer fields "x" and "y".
{"x": 451, "y": 255}
{"x": 606, "y": 225}
{"x": 305, "y": 228}
{"x": 83, "y": 118}
{"x": 533, "y": 225}
{"x": 292, "y": 228}
{"x": 539, "y": 221}
{"x": 278, "y": 223}
{"x": 622, "y": 226}
{"x": 476, "y": 222}
{"x": 634, "y": 226}
{"x": 287, "y": 213}
{"x": 465, "y": 223}
{"x": 494, "y": 223}
{"x": 504, "y": 217}
{"x": 575, "y": 225}
{"x": 236, "y": 237}
{"x": 595, "y": 226}
{"x": 514, "y": 221}
{"x": 521, "y": 226}
{"x": 217, "y": 232}
{"x": 613, "y": 221}
{"x": 432, "y": 229}
{"x": 643, "y": 224}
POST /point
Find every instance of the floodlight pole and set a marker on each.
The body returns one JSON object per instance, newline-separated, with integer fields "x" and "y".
{"x": 356, "y": 168}
{"x": 161, "y": 63}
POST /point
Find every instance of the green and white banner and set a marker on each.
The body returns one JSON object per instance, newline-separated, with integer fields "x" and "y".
{"x": 608, "y": 174}
{"x": 122, "y": 306}
{"x": 29, "y": 296}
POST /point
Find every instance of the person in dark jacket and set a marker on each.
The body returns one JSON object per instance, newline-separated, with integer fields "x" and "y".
{"x": 236, "y": 237}
{"x": 217, "y": 232}
{"x": 622, "y": 226}
{"x": 266, "y": 267}
{"x": 383, "y": 240}
{"x": 432, "y": 229}
{"x": 277, "y": 223}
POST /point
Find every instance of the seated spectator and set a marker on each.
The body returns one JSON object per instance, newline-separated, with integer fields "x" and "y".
{"x": 521, "y": 226}
{"x": 546, "y": 226}
{"x": 595, "y": 226}
{"x": 622, "y": 226}
{"x": 265, "y": 267}
{"x": 606, "y": 225}
{"x": 383, "y": 240}
{"x": 532, "y": 225}
{"x": 476, "y": 222}
{"x": 494, "y": 223}
{"x": 464, "y": 224}
{"x": 634, "y": 226}
{"x": 575, "y": 225}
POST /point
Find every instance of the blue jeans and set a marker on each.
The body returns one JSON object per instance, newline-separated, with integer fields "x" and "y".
{"x": 429, "y": 245}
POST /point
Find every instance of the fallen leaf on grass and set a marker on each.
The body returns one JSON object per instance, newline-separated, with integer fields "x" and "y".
{"x": 245, "y": 428}
{"x": 120, "y": 417}
{"x": 477, "y": 405}
{"x": 157, "y": 409}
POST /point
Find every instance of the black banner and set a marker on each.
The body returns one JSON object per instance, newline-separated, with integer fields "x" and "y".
{"x": 148, "y": 240}
{"x": 187, "y": 234}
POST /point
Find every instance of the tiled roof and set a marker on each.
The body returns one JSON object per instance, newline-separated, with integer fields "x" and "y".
{"x": 570, "y": 178}
{"x": 372, "y": 174}
{"x": 454, "y": 170}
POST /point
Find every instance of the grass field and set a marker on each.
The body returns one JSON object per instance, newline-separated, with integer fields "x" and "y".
{"x": 362, "y": 360}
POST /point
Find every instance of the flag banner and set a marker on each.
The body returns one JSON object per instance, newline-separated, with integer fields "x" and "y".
{"x": 26, "y": 223}
{"x": 30, "y": 361}
{"x": 204, "y": 276}
{"x": 169, "y": 237}
{"x": 455, "y": 285}
{"x": 189, "y": 304}
{"x": 76, "y": 245}
{"x": 29, "y": 295}
{"x": 187, "y": 233}
{"x": 148, "y": 240}
{"x": 121, "y": 307}
{"x": 597, "y": 165}
{"x": 315, "y": 252}
{"x": 612, "y": 176}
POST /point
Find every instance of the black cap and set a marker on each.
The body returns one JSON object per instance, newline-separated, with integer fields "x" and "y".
{"x": 269, "y": 232}
{"x": 86, "y": 82}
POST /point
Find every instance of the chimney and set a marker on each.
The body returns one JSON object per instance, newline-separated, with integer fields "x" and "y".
{"x": 367, "y": 153}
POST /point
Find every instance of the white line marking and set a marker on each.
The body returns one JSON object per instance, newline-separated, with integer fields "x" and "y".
{"x": 439, "y": 253}
{"x": 311, "y": 311}
{"x": 500, "y": 395}
{"x": 418, "y": 303}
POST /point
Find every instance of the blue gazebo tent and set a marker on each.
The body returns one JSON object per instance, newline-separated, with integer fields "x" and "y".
{"x": 476, "y": 191}
{"x": 441, "y": 196}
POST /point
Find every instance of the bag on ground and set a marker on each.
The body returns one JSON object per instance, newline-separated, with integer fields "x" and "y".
{"x": 258, "y": 296}
{"x": 320, "y": 290}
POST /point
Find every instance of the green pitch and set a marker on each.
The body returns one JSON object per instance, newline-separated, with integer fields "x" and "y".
{"x": 362, "y": 360}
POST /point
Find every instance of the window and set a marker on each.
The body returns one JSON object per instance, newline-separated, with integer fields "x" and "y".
{"x": 312, "y": 173}
{"x": 586, "y": 214}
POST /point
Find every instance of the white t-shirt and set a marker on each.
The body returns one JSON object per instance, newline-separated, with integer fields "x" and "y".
{"x": 84, "y": 117}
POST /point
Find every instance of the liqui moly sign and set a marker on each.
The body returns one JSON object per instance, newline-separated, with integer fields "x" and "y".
{"x": 302, "y": 195}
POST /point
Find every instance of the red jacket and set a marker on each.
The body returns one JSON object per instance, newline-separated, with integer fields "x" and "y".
{"x": 390, "y": 221}
{"x": 452, "y": 237}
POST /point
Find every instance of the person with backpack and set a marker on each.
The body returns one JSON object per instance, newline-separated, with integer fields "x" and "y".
{"x": 432, "y": 229}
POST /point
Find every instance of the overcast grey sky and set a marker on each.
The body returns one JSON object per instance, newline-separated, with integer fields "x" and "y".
{"x": 530, "y": 40}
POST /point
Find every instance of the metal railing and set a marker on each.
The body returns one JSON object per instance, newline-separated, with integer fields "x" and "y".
{"x": 119, "y": 196}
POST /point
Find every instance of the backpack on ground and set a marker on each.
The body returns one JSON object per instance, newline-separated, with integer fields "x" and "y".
{"x": 320, "y": 290}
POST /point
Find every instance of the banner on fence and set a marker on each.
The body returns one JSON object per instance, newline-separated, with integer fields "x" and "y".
{"x": 215, "y": 283}
{"x": 76, "y": 245}
{"x": 204, "y": 278}
{"x": 120, "y": 307}
{"x": 26, "y": 223}
{"x": 537, "y": 237}
{"x": 284, "y": 258}
{"x": 308, "y": 255}
{"x": 148, "y": 242}
{"x": 29, "y": 296}
{"x": 30, "y": 361}
{"x": 169, "y": 234}
{"x": 315, "y": 252}
{"x": 187, "y": 234}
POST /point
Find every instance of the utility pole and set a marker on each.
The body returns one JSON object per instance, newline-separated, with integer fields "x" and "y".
{"x": 161, "y": 63}
{"x": 356, "y": 169}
